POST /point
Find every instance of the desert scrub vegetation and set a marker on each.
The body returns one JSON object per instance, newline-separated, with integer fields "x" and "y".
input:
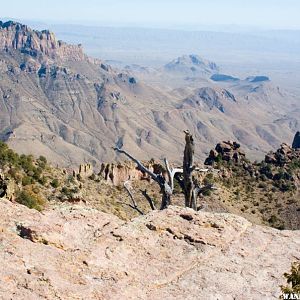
{"x": 209, "y": 179}
{"x": 55, "y": 183}
{"x": 268, "y": 191}
{"x": 293, "y": 280}
{"x": 31, "y": 199}
{"x": 18, "y": 164}
{"x": 29, "y": 175}
{"x": 68, "y": 193}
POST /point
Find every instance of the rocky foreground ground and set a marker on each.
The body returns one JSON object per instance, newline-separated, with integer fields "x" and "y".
{"x": 75, "y": 252}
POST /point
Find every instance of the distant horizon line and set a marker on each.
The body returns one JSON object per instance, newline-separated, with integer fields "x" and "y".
{"x": 158, "y": 25}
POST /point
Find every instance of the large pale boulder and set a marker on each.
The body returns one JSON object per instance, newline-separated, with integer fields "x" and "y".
{"x": 74, "y": 252}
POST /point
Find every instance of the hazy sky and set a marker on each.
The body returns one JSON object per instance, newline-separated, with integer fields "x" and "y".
{"x": 260, "y": 13}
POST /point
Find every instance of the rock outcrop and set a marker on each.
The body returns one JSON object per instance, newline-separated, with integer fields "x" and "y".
{"x": 227, "y": 151}
{"x": 117, "y": 174}
{"x": 21, "y": 37}
{"x": 296, "y": 141}
{"x": 75, "y": 252}
{"x": 7, "y": 189}
{"x": 285, "y": 154}
{"x": 84, "y": 171}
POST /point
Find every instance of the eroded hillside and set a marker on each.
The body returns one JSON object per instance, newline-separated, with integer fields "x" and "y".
{"x": 57, "y": 102}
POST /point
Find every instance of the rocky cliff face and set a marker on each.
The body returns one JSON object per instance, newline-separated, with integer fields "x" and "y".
{"x": 75, "y": 252}
{"x": 117, "y": 174}
{"x": 35, "y": 43}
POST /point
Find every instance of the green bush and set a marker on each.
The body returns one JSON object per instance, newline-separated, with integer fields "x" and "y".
{"x": 31, "y": 200}
{"x": 293, "y": 280}
{"x": 55, "y": 183}
{"x": 265, "y": 169}
{"x": 26, "y": 162}
{"x": 42, "y": 162}
{"x": 218, "y": 159}
{"x": 20, "y": 164}
{"x": 43, "y": 180}
{"x": 14, "y": 173}
{"x": 69, "y": 192}
{"x": 206, "y": 193}
{"x": 284, "y": 185}
{"x": 209, "y": 179}
{"x": 273, "y": 219}
{"x": 294, "y": 165}
{"x": 71, "y": 179}
{"x": 177, "y": 189}
{"x": 7, "y": 156}
{"x": 27, "y": 180}
{"x": 263, "y": 177}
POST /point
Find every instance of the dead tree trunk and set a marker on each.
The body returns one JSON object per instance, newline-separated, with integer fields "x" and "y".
{"x": 188, "y": 162}
{"x": 166, "y": 186}
{"x": 183, "y": 176}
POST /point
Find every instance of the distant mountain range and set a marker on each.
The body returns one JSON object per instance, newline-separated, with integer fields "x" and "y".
{"x": 57, "y": 101}
{"x": 191, "y": 65}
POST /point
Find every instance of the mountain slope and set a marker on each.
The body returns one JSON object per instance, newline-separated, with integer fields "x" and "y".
{"x": 191, "y": 65}
{"x": 56, "y": 101}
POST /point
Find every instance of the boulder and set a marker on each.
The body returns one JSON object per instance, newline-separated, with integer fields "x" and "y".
{"x": 296, "y": 141}
{"x": 227, "y": 151}
{"x": 270, "y": 158}
{"x": 75, "y": 252}
{"x": 224, "y": 147}
{"x": 285, "y": 154}
{"x": 84, "y": 171}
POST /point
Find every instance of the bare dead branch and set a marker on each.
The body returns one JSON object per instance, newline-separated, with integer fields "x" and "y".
{"x": 159, "y": 179}
{"x": 207, "y": 188}
{"x": 127, "y": 188}
{"x": 183, "y": 175}
{"x": 197, "y": 191}
{"x": 194, "y": 168}
{"x": 134, "y": 204}
{"x": 139, "y": 164}
{"x": 148, "y": 198}
{"x": 195, "y": 194}
{"x": 131, "y": 206}
{"x": 171, "y": 173}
